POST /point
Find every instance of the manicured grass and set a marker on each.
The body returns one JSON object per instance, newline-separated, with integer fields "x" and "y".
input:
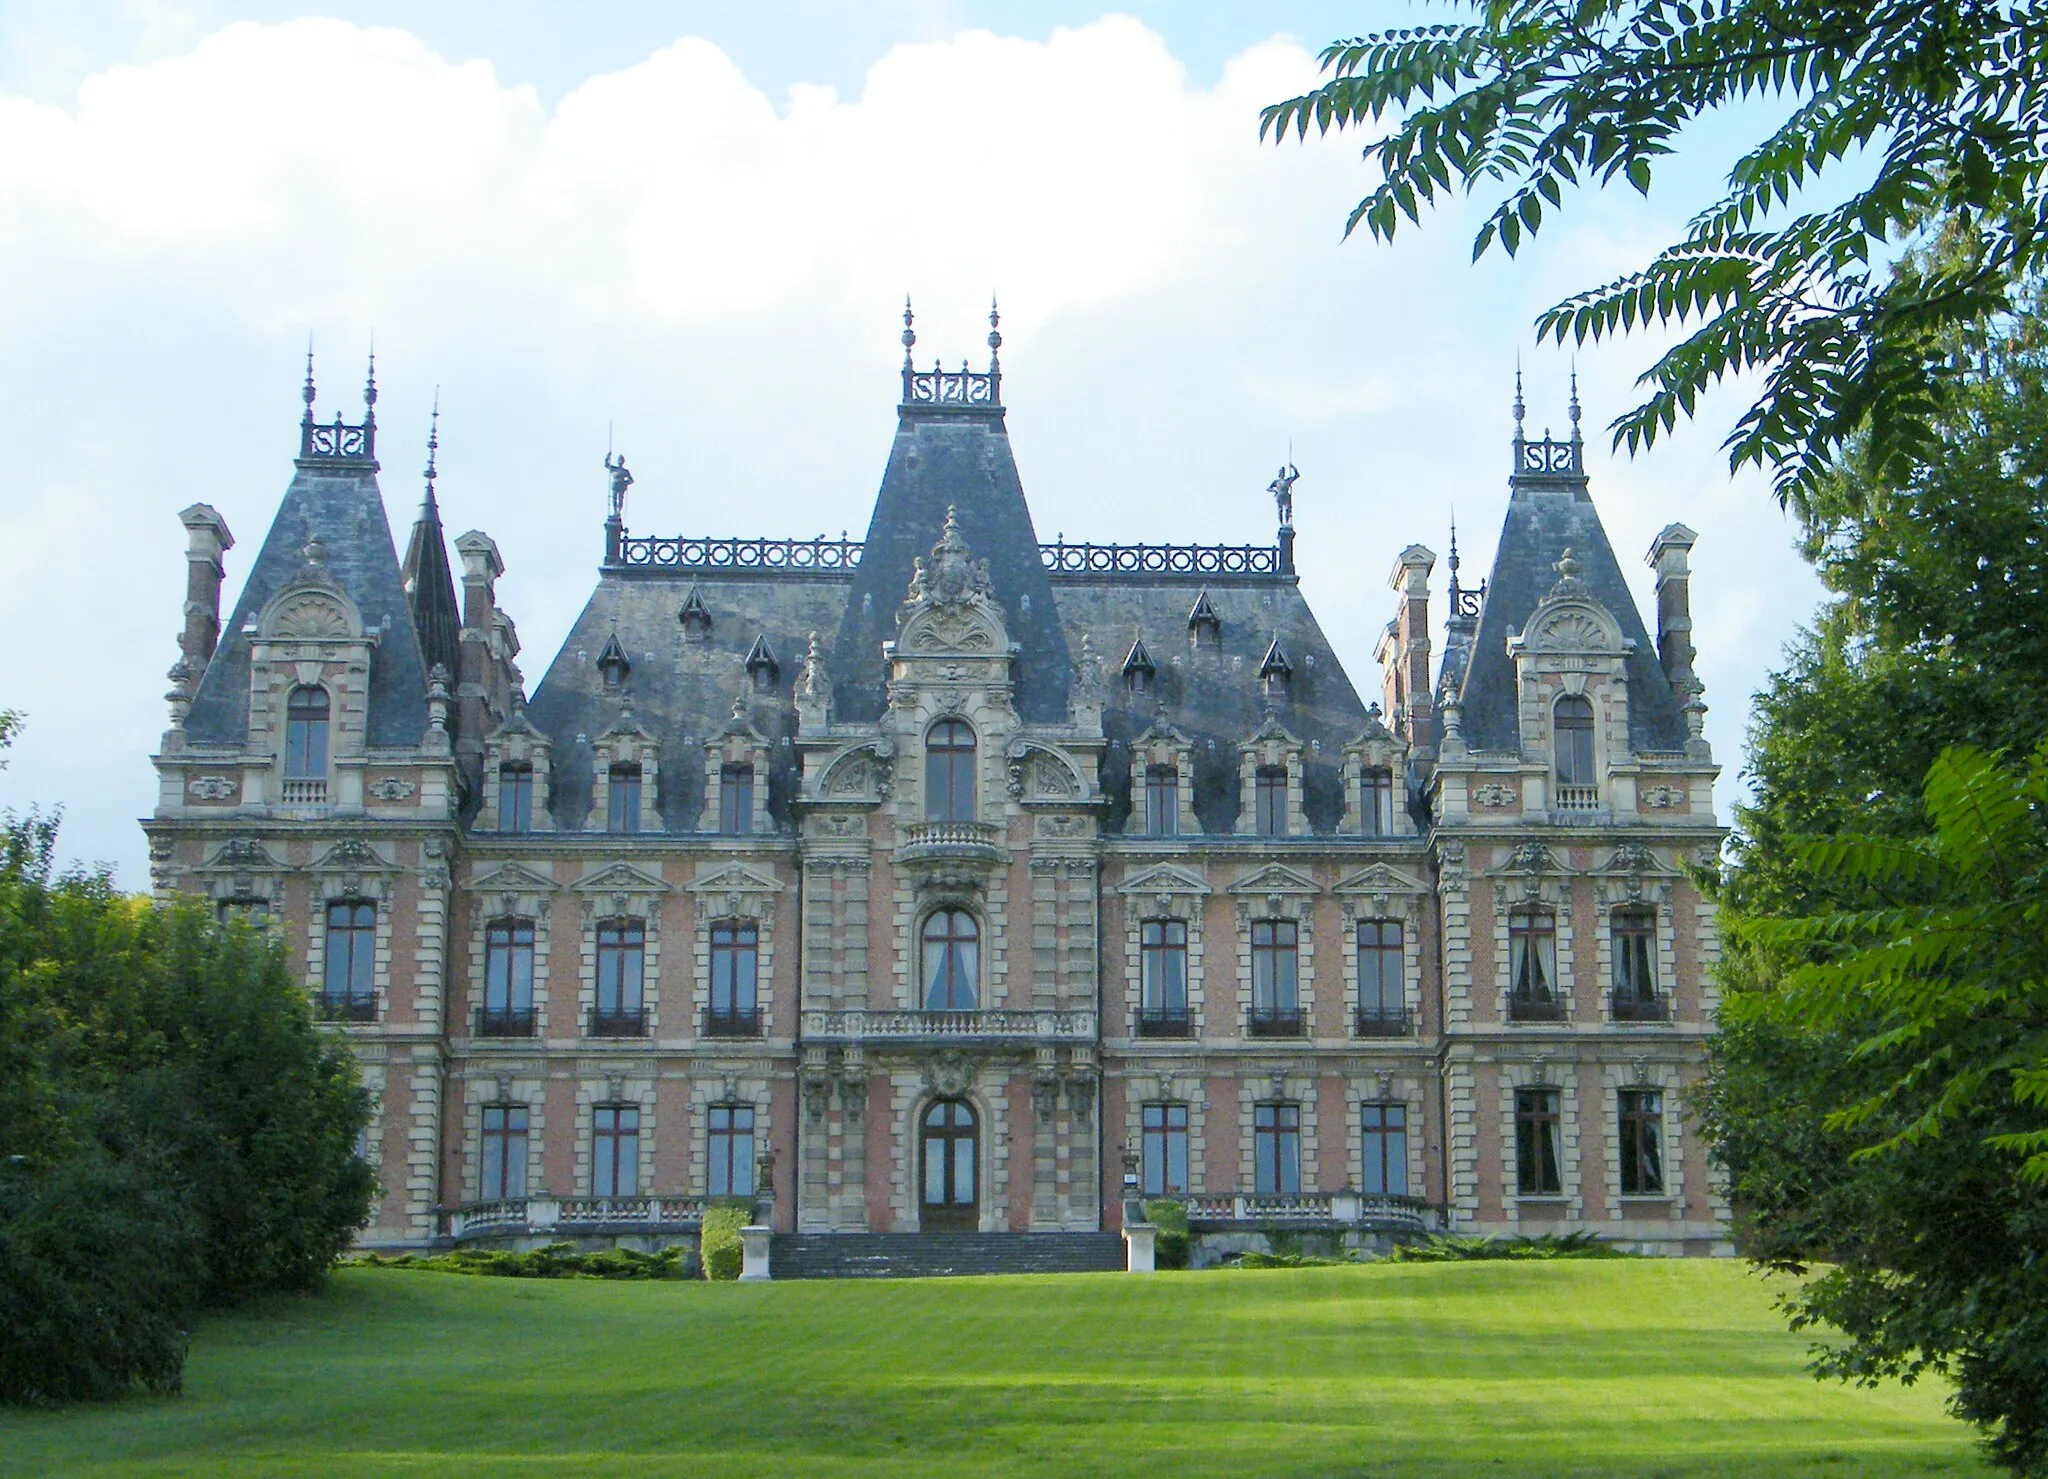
{"x": 1642, "y": 1369}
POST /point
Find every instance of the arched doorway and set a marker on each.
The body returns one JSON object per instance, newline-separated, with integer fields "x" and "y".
{"x": 948, "y": 1145}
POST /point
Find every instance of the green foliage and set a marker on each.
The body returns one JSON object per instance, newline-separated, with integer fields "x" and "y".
{"x": 1449, "y": 1249}
{"x": 1533, "y": 98}
{"x": 1283, "y": 1259}
{"x": 1171, "y": 1247}
{"x": 175, "y": 1131}
{"x": 555, "y": 1261}
{"x": 719, "y": 1247}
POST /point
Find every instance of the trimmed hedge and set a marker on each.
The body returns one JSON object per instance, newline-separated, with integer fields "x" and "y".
{"x": 718, "y": 1245}
{"x": 1442, "y": 1249}
{"x": 555, "y": 1261}
{"x": 1171, "y": 1248}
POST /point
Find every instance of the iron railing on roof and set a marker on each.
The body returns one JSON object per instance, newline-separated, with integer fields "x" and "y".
{"x": 834, "y": 556}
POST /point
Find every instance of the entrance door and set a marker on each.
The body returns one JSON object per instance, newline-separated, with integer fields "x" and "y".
{"x": 947, "y": 1145}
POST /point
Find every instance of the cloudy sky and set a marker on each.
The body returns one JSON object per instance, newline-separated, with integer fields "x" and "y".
{"x": 694, "y": 225}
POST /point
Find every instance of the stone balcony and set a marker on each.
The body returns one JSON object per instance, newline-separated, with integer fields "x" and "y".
{"x": 964, "y": 1028}
{"x": 1312, "y": 1211}
{"x": 526, "y": 1217}
{"x": 976, "y": 844}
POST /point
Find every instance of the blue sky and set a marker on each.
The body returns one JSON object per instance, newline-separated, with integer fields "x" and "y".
{"x": 691, "y": 227}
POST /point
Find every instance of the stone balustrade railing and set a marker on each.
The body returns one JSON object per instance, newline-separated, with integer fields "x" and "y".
{"x": 1039, "y": 1025}
{"x": 1313, "y": 1209}
{"x": 517, "y": 1216}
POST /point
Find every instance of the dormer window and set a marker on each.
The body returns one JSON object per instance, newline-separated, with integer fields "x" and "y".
{"x": 1162, "y": 800}
{"x": 622, "y": 811}
{"x": 736, "y": 799}
{"x": 515, "y": 798}
{"x": 612, "y": 662}
{"x": 1573, "y": 721}
{"x": 1276, "y": 673}
{"x": 1205, "y": 627}
{"x": 1270, "y": 796}
{"x": 305, "y": 734}
{"x": 762, "y": 668}
{"x": 1376, "y": 803}
{"x": 949, "y": 781}
{"x": 695, "y": 617}
{"x": 1139, "y": 671}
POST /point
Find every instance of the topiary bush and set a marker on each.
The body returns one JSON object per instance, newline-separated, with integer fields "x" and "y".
{"x": 1171, "y": 1248}
{"x": 1442, "y": 1249}
{"x": 555, "y": 1261}
{"x": 718, "y": 1245}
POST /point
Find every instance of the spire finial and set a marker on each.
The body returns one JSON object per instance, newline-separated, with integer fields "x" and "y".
{"x": 995, "y": 333}
{"x": 1454, "y": 546}
{"x": 433, "y": 447}
{"x": 370, "y": 384}
{"x": 1518, "y": 395}
{"x": 1575, "y": 400}
{"x": 307, "y": 393}
{"x": 909, "y": 334}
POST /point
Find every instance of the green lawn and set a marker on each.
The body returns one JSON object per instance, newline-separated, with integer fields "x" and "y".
{"x": 1618, "y": 1368}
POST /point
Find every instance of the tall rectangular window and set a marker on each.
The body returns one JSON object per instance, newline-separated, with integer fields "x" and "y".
{"x": 1163, "y": 956}
{"x": 622, "y": 809}
{"x": 615, "y": 1151}
{"x": 1276, "y": 1149}
{"x": 1386, "y": 1149}
{"x": 348, "y": 988}
{"x": 735, "y": 963}
{"x": 1276, "y": 998}
{"x": 515, "y": 798}
{"x": 305, "y": 734}
{"x": 1634, "y": 942}
{"x": 1642, "y": 1143}
{"x": 1164, "y": 1161}
{"x": 732, "y": 1150}
{"x": 1382, "y": 989}
{"x": 1269, "y": 787}
{"x": 1162, "y": 801}
{"x": 736, "y": 800}
{"x": 1532, "y": 964}
{"x": 1376, "y": 803}
{"x": 621, "y": 977}
{"x": 1537, "y": 1158}
{"x": 508, "y": 979}
{"x": 502, "y": 1175}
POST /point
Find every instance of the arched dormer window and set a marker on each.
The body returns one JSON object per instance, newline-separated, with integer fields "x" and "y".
{"x": 305, "y": 734}
{"x": 1572, "y": 723}
{"x": 949, "y": 779}
{"x": 951, "y": 961}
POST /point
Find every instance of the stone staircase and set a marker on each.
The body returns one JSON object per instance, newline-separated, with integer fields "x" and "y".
{"x": 941, "y": 1255}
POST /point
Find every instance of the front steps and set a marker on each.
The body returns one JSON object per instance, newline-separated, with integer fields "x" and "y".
{"x": 941, "y": 1254}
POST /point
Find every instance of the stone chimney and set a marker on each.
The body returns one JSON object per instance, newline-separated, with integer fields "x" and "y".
{"x": 1411, "y": 646}
{"x": 481, "y": 567}
{"x": 1668, "y": 557}
{"x": 207, "y": 539}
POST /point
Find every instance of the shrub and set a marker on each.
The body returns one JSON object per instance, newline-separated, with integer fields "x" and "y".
{"x": 1171, "y": 1248}
{"x": 555, "y": 1261}
{"x": 1445, "y": 1249}
{"x": 1256, "y": 1259}
{"x": 718, "y": 1244}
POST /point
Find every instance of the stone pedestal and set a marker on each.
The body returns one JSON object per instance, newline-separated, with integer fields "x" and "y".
{"x": 1139, "y": 1241}
{"x": 754, "y": 1253}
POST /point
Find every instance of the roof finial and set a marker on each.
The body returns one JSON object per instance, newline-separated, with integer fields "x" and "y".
{"x": 1518, "y": 395}
{"x": 1575, "y": 400}
{"x": 1454, "y": 546}
{"x": 370, "y": 384}
{"x": 995, "y": 334}
{"x": 909, "y": 334}
{"x": 307, "y": 393}
{"x": 429, "y": 507}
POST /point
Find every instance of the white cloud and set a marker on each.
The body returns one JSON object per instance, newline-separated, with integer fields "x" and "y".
{"x": 718, "y": 273}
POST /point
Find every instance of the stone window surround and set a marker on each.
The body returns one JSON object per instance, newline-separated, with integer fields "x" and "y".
{"x": 618, "y": 1092}
{"x": 1168, "y": 749}
{"x": 1550, "y": 891}
{"x": 733, "y": 894}
{"x": 1257, "y": 1086}
{"x": 1185, "y": 1086}
{"x": 617, "y": 892}
{"x": 1648, "y": 888}
{"x": 1360, "y": 756}
{"x": 740, "y": 747}
{"x": 514, "y": 892}
{"x": 1383, "y": 894}
{"x": 1540, "y": 1074}
{"x": 1644, "y": 1074}
{"x": 985, "y": 1086}
{"x": 517, "y": 747}
{"x": 1405, "y": 1089}
{"x": 1278, "y": 894}
{"x": 484, "y": 1088}
{"x": 624, "y": 746}
{"x": 747, "y": 1088}
{"x": 1276, "y": 751}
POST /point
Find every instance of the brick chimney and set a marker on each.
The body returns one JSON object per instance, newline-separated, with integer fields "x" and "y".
{"x": 207, "y": 539}
{"x": 1668, "y": 557}
{"x": 1411, "y": 646}
{"x": 481, "y": 567}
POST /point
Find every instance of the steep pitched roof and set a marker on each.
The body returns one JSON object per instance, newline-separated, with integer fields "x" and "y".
{"x": 951, "y": 457}
{"x": 1547, "y": 514}
{"x": 339, "y": 502}
{"x": 430, "y": 586}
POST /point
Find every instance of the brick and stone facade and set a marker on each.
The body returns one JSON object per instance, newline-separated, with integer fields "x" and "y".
{"x": 915, "y": 882}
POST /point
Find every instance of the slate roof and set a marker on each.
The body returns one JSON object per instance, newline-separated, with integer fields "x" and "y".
{"x": 1547, "y": 515}
{"x": 340, "y": 502}
{"x": 430, "y": 589}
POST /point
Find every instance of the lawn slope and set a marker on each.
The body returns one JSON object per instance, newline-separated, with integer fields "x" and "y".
{"x": 1627, "y": 1368}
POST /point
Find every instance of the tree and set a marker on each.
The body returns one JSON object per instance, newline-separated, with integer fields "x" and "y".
{"x": 176, "y": 1132}
{"x": 1883, "y": 996}
{"x": 1537, "y": 97}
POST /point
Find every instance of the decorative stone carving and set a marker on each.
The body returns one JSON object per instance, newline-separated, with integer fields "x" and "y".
{"x": 1664, "y": 798}
{"x": 311, "y": 617}
{"x": 949, "y": 1074}
{"x": 392, "y": 788}
{"x": 1495, "y": 794}
{"x": 213, "y": 787}
{"x": 1532, "y": 857}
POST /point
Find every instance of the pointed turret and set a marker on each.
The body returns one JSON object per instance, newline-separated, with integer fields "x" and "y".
{"x": 429, "y": 580}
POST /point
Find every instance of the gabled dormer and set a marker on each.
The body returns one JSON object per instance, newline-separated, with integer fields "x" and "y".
{"x": 518, "y": 776}
{"x": 625, "y": 777}
{"x": 736, "y": 777}
{"x": 1375, "y": 776}
{"x": 309, "y": 681}
{"x": 1271, "y": 767}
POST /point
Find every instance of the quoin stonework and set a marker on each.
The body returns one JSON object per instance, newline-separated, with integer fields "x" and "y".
{"x": 936, "y": 883}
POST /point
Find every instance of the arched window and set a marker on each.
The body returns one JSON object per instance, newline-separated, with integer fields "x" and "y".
{"x": 949, "y": 772}
{"x": 1573, "y": 722}
{"x": 305, "y": 734}
{"x": 952, "y": 961}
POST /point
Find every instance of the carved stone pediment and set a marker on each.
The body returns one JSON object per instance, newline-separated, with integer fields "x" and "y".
{"x": 621, "y": 878}
{"x": 1041, "y": 773}
{"x": 951, "y": 606}
{"x": 1381, "y": 878}
{"x": 353, "y": 855}
{"x": 734, "y": 878}
{"x": 241, "y": 855}
{"x": 513, "y": 878}
{"x": 1165, "y": 878}
{"x": 1275, "y": 878}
